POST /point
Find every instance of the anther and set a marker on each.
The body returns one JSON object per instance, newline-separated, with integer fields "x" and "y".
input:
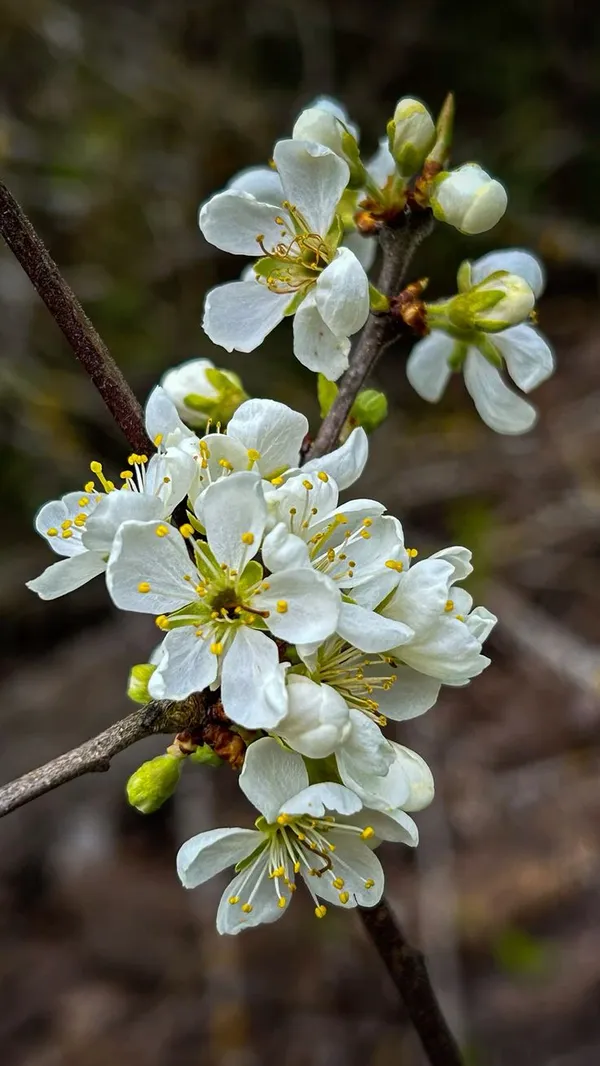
{"x": 233, "y": 899}
{"x": 247, "y": 538}
{"x": 412, "y": 552}
{"x": 367, "y": 832}
{"x": 144, "y": 586}
{"x": 277, "y": 481}
{"x": 281, "y": 606}
{"x": 393, "y": 564}
{"x": 225, "y": 464}
{"x": 321, "y": 911}
{"x": 344, "y": 897}
{"x": 322, "y": 476}
{"x": 246, "y": 907}
{"x": 338, "y": 883}
{"x": 161, "y": 531}
{"x": 281, "y": 901}
{"x": 216, "y": 647}
{"x": 308, "y": 485}
{"x": 52, "y": 532}
{"x": 449, "y": 605}
{"x": 253, "y": 455}
{"x": 186, "y": 530}
{"x": 161, "y": 621}
{"x": 369, "y": 883}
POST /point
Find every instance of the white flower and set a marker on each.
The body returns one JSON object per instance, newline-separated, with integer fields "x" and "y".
{"x": 267, "y": 437}
{"x": 324, "y": 124}
{"x": 412, "y": 134}
{"x": 524, "y": 352}
{"x": 200, "y": 392}
{"x": 500, "y": 301}
{"x": 82, "y": 525}
{"x": 303, "y": 271}
{"x": 219, "y": 610}
{"x": 468, "y": 199}
{"x": 295, "y": 834}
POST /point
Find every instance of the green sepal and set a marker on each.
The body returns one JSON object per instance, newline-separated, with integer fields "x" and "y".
{"x": 458, "y": 355}
{"x": 243, "y": 864}
{"x": 293, "y": 306}
{"x": 326, "y": 393}
{"x": 251, "y": 575}
{"x": 463, "y": 278}
{"x": 377, "y": 300}
{"x": 489, "y": 351}
{"x": 205, "y": 756}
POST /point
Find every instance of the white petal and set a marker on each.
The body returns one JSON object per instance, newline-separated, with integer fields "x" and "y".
{"x": 317, "y": 719}
{"x": 499, "y": 407}
{"x": 364, "y": 248}
{"x": 346, "y": 463}
{"x": 356, "y": 864}
{"x": 364, "y": 752}
{"x": 370, "y": 554}
{"x": 140, "y": 555}
{"x": 410, "y": 695}
{"x": 449, "y": 653}
{"x": 252, "y": 686}
{"x": 270, "y": 775}
{"x": 67, "y": 575}
{"x": 480, "y": 623}
{"x": 427, "y": 368}
{"x": 422, "y": 788}
{"x": 529, "y": 357}
{"x": 422, "y": 594}
{"x": 312, "y": 605}
{"x": 170, "y": 475}
{"x": 383, "y": 792}
{"x": 234, "y": 514}
{"x": 186, "y": 665}
{"x": 240, "y": 314}
{"x": 395, "y": 826}
{"x": 460, "y": 558}
{"x": 313, "y": 179}
{"x": 515, "y": 261}
{"x": 297, "y": 500}
{"x": 263, "y": 183}
{"x": 282, "y": 550}
{"x": 256, "y": 885}
{"x": 114, "y": 509}
{"x": 382, "y": 165}
{"x": 51, "y": 516}
{"x": 215, "y": 448}
{"x": 342, "y": 294}
{"x": 162, "y": 419}
{"x": 369, "y": 631}
{"x": 206, "y": 854}
{"x": 236, "y": 222}
{"x": 315, "y": 346}
{"x": 319, "y": 125}
{"x": 318, "y": 799}
{"x": 272, "y": 429}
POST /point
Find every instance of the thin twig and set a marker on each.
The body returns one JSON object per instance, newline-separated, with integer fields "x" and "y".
{"x": 158, "y": 716}
{"x": 398, "y": 246}
{"x": 406, "y": 966}
{"x": 69, "y": 315}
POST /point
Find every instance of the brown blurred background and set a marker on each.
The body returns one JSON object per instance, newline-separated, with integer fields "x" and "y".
{"x": 117, "y": 119}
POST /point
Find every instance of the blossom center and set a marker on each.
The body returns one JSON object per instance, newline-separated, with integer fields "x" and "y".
{"x": 356, "y": 676}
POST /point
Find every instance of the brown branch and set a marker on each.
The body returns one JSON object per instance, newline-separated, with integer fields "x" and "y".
{"x": 398, "y": 247}
{"x": 158, "y": 716}
{"x": 407, "y": 969}
{"x": 69, "y": 315}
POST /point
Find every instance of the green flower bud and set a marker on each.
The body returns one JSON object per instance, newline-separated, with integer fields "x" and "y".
{"x": 205, "y": 756}
{"x": 411, "y": 135}
{"x": 369, "y": 409}
{"x": 201, "y": 392}
{"x": 502, "y": 300}
{"x": 137, "y": 685}
{"x": 153, "y": 783}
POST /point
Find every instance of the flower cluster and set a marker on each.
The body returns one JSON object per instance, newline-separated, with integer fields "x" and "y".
{"x": 309, "y": 615}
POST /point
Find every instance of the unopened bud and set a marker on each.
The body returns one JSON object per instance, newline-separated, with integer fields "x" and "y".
{"x": 153, "y": 783}
{"x": 411, "y": 135}
{"x": 200, "y": 391}
{"x": 500, "y": 301}
{"x": 137, "y": 685}
{"x": 205, "y": 756}
{"x": 468, "y": 199}
{"x": 369, "y": 409}
{"x": 327, "y": 128}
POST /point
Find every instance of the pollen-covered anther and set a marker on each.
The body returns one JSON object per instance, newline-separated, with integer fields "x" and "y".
{"x": 80, "y": 520}
{"x": 88, "y": 487}
{"x": 247, "y": 538}
{"x": 246, "y": 907}
{"x": 216, "y": 647}
{"x": 277, "y": 872}
{"x": 449, "y": 605}
{"x": 394, "y": 564}
{"x": 162, "y": 621}
{"x": 144, "y": 586}
{"x": 126, "y": 475}
{"x": 233, "y": 900}
{"x": 253, "y": 455}
{"x": 344, "y": 897}
{"x": 52, "y": 532}
{"x": 308, "y": 485}
{"x": 83, "y": 502}
{"x": 281, "y": 901}
{"x": 200, "y": 590}
{"x": 186, "y": 530}
{"x": 367, "y": 832}
{"x": 281, "y": 606}
{"x": 226, "y": 464}
{"x": 284, "y": 819}
{"x": 369, "y": 883}
{"x": 277, "y": 481}
{"x": 320, "y": 911}
{"x": 158, "y": 440}
{"x": 338, "y": 882}
{"x": 367, "y": 521}
{"x": 413, "y": 552}
{"x": 322, "y": 476}
{"x": 161, "y": 530}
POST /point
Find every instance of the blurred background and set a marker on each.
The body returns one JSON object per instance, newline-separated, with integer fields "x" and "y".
{"x": 117, "y": 120}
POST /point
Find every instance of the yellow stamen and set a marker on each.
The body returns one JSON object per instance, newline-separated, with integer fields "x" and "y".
{"x": 216, "y": 647}
{"x": 338, "y": 883}
{"x": 186, "y": 530}
{"x": 277, "y": 481}
{"x": 162, "y": 621}
{"x": 281, "y": 902}
{"x": 247, "y": 538}
{"x": 246, "y": 907}
{"x": 344, "y": 897}
{"x": 321, "y": 911}
{"x": 144, "y": 586}
{"x": 393, "y": 564}
{"x": 369, "y": 883}
{"x": 281, "y": 606}
{"x": 225, "y": 464}
{"x": 367, "y": 521}
{"x": 158, "y": 440}
{"x": 412, "y": 552}
{"x": 449, "y": 605}
{"x": 307, "y": 484}
{"x": 367, "y": 832}
{"x": 88, "y": 487}
{"x": 233, "y": 899}
{"x": 322, "y": 476}
{"x": 161, "y": 531}
{"x": 52, "y": 532}
{"x": 253, "y": 455}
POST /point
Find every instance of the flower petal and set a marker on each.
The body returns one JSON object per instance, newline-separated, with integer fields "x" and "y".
{"x": 346, "y": 463}
{"x": 529, "y": 358}
{"x": 323, "y": 797}
{"x": 449, "y": 652}
{"x": 395, "y": 826}
{"x": 499, "y": 407}
{"x": 263, "y": 183}
{"x": 206, "y": 854}
{"x": 364, "y": 752}
{"x": 342, "y": 294}
{"x": 410, "y": 695}
{"x": 422, "y": 594}
{"x": 283, "y": 550}
{"x": 382, "y": 165}
{"x": 114, "y": 509}
{"x": 141, "y": 555}
{"x": 480, "y": 623}
{"x": 427, "y": 368}
{"x": 67, "y": 575}
{"x": 313, "y": 180}
{"x": 315, "y": 346}
{"x": 270, "y": 775}
{"x": 317, "y": 720}
{"x": 515, "y": 261}
{"x": 303, "y": 605}
{"x": 251, "y": 884}
{"x": 459, "y": 557}
{"x": 240, "y": 314}
{"x": 234, "y": 514}
{"x": 369, "y": 631}
{"x": 364, "y": 248}
{"x": 236, "y": 222}
{"x": 357, "y": 865}
{"x": 272, "y": 429}
{"x": 422, "y": 788}
{"x": 252, "y": 685}
{"x": 162, "y": 419}
{"x": 186, "y": 665}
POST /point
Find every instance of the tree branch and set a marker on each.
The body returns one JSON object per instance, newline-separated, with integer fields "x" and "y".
{"x": 158, "y": 716}
{"x": 406, "y": 967}
{"x": 69, "y": 315}
{"x": 398, "y": 247}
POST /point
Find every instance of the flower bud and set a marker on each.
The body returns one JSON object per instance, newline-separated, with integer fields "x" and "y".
{"x": 468, "y": 199}
{"x": 411, "y": 135}
{"x": 200, "y": 391}
{"x": 205, "y": 756}
{"x": 369, "y": 409}
{"x": 137, "y": 685}
{"x": 153, "y": 783}
{"x": 326, "y": 127}
{"x": 500, "y": 301}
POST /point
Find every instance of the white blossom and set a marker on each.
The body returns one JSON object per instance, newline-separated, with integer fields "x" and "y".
{"x": 302, "y": 270}
{"x": 220, "y": 609}
{"x": 198, "y": 390}
{"x": 82, "y": 525}
{"x": 296, "y": 834}
{"x": 520, "y": 349}
{"x": 468, "y": 199}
